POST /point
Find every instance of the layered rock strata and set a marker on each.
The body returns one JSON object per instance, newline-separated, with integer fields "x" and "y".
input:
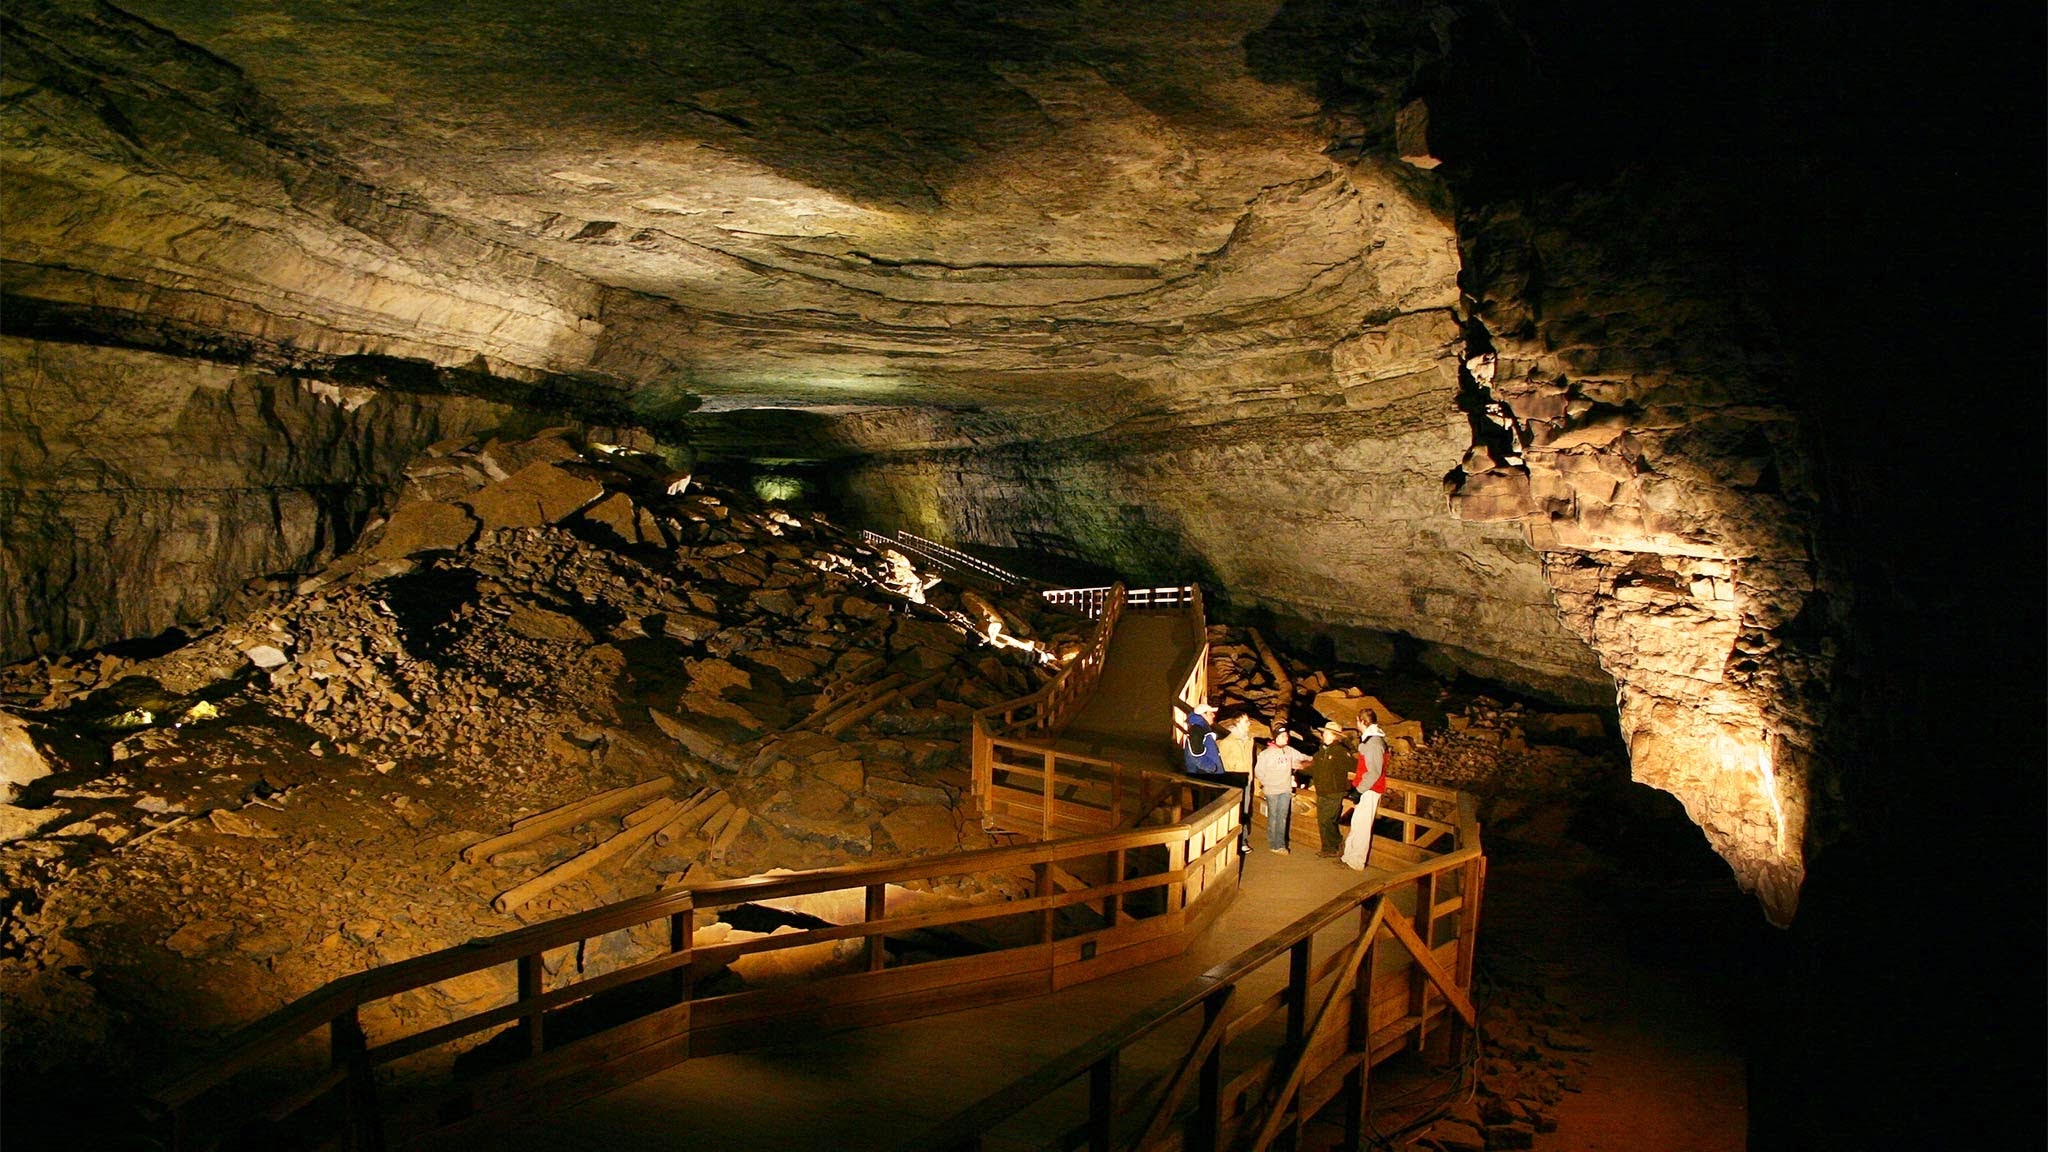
{"x": 139, "y": 490}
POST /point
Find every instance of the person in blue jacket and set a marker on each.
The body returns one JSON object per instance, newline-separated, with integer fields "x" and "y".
{"x": 1204, "y": 760}
{"x": 1200, "y": 754}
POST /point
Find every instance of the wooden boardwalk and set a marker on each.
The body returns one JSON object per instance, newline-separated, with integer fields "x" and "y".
{"x": 1130, "y": 717}
{"x": 879, "y": 1087}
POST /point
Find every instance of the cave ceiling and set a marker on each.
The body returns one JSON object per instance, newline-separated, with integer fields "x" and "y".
{"x": 816, "y": 204}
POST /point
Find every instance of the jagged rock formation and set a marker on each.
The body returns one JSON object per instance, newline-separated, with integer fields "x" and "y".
{"x": 1627, "y": 418}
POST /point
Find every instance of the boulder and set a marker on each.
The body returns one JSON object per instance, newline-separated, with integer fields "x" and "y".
{"x": 716, "y": 675}
{"x": 625, "y": 519}
{"x": 536, "y": 623}
{"x": 21, "y": 763}
{"x": 922, "y": 828}
{"x": 536, "y": 495}
{"x": 17, "y": 823}
{"x": 845, "y": 775}
{"x": 266, "y": 656}
{"x": 503, "y": 458}
{"x": 424, "y": 526}
{"x": 690, "y": 629}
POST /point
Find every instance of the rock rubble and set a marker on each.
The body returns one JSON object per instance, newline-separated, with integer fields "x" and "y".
{"x": 285, "y": 798}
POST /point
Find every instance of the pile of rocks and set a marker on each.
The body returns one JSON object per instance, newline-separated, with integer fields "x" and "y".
{"x": 1532, "y": 1053}
{"x": 288, "y": 795}
{"x": 1512, "y": 749}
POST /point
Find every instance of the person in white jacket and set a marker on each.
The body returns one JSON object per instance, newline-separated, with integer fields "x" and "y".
{"x": 1275, "y": 769}
{"x": 1370, "y": 780}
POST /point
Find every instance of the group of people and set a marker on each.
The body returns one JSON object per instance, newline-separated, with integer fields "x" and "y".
{"x": 1344, "y": 767}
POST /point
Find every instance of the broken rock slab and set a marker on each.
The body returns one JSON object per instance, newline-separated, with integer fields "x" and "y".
{"x": 21, "y": 763}
{"x": 427, "y": 526}
{"x": 535, "y": 495}
{"x": 918, "y": 829}
{"x": 19, "y": 823}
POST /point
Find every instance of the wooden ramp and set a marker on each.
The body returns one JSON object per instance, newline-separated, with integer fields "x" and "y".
{"x": 881, "y": 1087}
{"x": 1130, "y": 717}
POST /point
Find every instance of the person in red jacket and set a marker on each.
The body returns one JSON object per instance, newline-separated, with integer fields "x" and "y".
{"x": 1370, "y": 780}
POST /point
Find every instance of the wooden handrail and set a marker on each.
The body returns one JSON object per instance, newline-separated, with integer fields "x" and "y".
{"x": 1211, "y": 990}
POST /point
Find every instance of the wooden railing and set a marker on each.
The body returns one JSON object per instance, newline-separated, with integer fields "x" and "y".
{"x": 1044, "y": 712}
{"x": 1298, "y": 1020}
{"x": 939, "y": 554}
{"x": 1089, "y": 601}
{"x": 1096, "y": 904}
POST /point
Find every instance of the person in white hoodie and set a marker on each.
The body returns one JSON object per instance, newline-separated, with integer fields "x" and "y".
{"x": 1370, "y": 780}
{"x": 1275, "y": 769}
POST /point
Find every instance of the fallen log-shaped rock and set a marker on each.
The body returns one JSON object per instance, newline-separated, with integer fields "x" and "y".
{"x": 854, "y": 699}
{"x": 681, "y": 824}
{"x": 567, "y": 816}
{"x": 842, "y": 723}
{"x": 623, "y": 842}
{"x": 1281, "y": 680}
{"x": 733, "y": 828}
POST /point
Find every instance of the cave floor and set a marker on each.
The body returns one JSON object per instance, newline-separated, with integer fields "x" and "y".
{"x": 1646, "y": 989}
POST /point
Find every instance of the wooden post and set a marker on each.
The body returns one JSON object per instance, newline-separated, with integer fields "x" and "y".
{"x": 682, "y": 928}
{"x": 1045, "y": 817}
{"x": 1042, "y": 891}
{"x": 530, "y": 980}
{"x": 1358, "y": 1082}
{"x": 1208, "y": 1133}
{"x": 1472, "y": 884}
{"x": 1113, "y": 904}
{"x": 349, "y": 1048}
{"x": 1418, "y": 980}
{"x": 878, "y": 952}
{"x": 1116, "y": 796}
{"x": 1177, "y": 863}
{"x": 1102, "y": 1103}
{"x": 1297, "y": 992}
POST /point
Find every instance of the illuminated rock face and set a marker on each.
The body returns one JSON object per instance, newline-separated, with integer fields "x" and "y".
{"x": 1093, "y": 278}
{"x": 1631, "y": 429}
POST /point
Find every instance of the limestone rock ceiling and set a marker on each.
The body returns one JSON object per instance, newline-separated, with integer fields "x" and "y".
{"x": 821, "y": 202}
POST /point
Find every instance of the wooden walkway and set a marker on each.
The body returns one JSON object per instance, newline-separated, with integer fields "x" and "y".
{"x": 879, "y": 1087}
{"x": 1131, "y": 713}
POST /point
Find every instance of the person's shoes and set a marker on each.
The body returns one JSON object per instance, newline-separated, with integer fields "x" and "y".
{"x": 1328, "y": 855}
{"x": 1281, "y": 851}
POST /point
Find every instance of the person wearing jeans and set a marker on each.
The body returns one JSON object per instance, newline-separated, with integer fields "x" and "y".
{"x": 1275, "y": 769}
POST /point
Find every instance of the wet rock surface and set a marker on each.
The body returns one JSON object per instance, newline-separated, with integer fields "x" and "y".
{"x": 287, "y": 797}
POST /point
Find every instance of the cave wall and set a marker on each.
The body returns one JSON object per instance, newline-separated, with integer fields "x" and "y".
{"x": 139, "y": 490}
{"x": 1633, "y": 419}
{"x": 157, "y": 197}
{"x": 1325, "y": 508}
